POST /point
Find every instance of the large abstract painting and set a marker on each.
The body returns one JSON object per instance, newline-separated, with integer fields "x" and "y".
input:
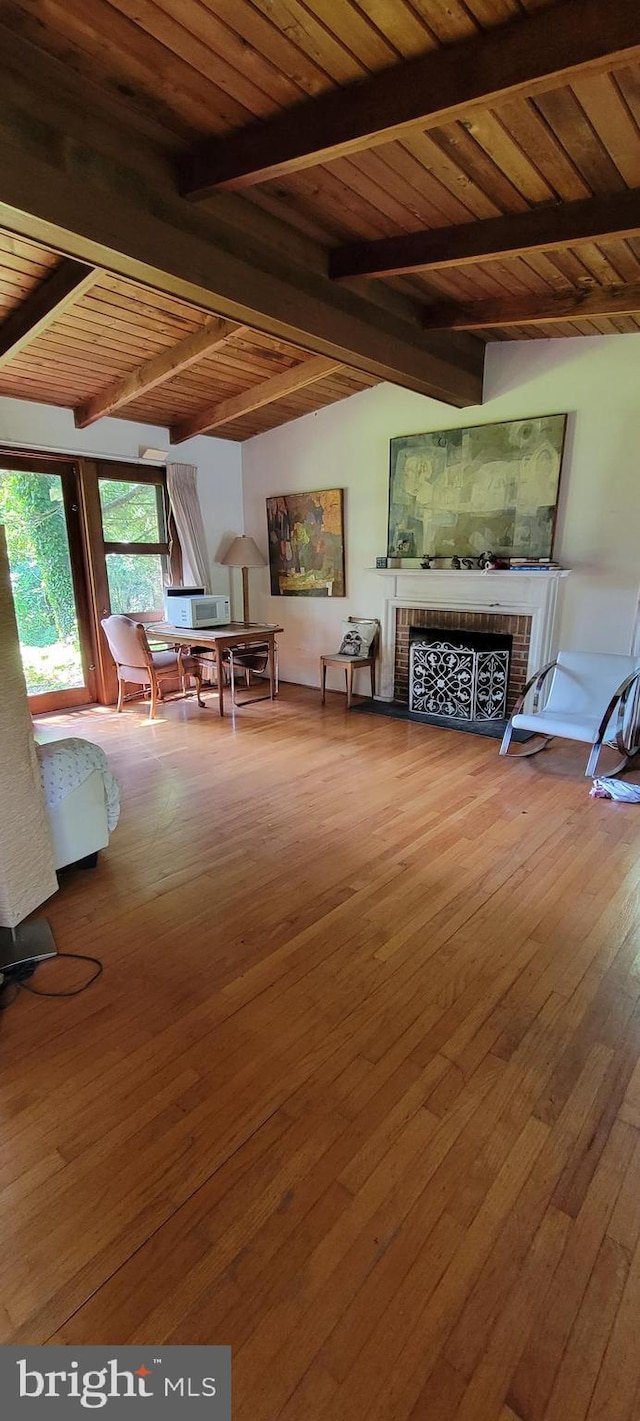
{"x": 306, "y": 544}
{"x": 462, "y": 492}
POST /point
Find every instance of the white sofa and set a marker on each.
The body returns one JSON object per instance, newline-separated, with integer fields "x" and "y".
{"x": 82, "y": 802}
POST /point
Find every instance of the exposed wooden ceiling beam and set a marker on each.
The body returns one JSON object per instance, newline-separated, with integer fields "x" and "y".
{"x": 532, "y": 310}
{"x": 545, "y": 228}
{"x": 67, "y": 283}
{"x": 156, "y": 371}
{"x": 68, "y": 197}
{"x": 308, "y": 372}
{"x": 523, "y": 57}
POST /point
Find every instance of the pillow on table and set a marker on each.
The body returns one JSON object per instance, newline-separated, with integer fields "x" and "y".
{"x": 357, "y": 638}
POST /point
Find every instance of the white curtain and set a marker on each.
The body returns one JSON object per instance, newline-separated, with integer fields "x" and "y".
{"x": 182, "y": 487}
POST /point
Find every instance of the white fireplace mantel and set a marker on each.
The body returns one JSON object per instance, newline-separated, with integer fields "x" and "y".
{"x": 534, "y": 595}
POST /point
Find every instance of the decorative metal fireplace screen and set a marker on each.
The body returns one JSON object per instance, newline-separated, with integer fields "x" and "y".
{"x": 458, "y": 681}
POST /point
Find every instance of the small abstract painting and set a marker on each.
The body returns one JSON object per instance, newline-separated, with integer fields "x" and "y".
{"x": 461, "y": 492}
{"x": 306, "y": 544}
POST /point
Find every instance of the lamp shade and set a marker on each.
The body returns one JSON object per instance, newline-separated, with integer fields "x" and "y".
{"x": 244, "y": 553}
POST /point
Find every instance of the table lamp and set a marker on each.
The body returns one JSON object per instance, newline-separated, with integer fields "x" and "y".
{"x": 245, "y": 554}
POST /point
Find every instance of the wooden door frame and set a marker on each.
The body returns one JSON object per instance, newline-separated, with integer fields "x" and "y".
{"x": 68, "y": 470}
{"x": 87, "y": 550}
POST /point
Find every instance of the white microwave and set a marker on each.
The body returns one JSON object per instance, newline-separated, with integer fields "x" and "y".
{"x": 199, "y": 611}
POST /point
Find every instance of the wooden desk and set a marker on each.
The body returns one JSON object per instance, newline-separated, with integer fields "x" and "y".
{"x": 220, "y": 639}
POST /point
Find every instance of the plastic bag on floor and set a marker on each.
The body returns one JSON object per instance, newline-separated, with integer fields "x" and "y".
{"x": 615, "y": 789}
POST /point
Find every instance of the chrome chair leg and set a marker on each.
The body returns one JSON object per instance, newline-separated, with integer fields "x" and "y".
{"x": 523, "y": 754}
{"x": 591, "y": 771}
{"x": 252, "y": 700}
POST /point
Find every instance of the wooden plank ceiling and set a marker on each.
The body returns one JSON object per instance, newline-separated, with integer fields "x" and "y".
{"x": 525, "y": 193}
{"x": 116, "y": 327}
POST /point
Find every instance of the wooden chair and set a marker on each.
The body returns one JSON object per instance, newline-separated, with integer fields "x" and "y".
{"x": 352, "y": 661}
{"x": 138, "y": 665}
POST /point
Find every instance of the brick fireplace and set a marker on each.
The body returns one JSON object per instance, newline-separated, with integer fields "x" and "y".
{"x": 516, "y": 627}
{"x": 523, "y": 606}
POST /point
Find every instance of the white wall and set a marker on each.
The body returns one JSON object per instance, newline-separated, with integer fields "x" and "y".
{"x": 32, "y": 426}
{"x": 597, "y": 381}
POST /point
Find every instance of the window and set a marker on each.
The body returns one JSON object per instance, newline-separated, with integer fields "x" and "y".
{"x": 136, "y": 541}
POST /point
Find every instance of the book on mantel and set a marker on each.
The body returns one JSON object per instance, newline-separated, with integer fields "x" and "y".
{"x": 533, "y": 565}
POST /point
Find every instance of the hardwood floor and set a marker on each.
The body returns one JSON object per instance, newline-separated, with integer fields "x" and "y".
{"x": 358, "y": 1091}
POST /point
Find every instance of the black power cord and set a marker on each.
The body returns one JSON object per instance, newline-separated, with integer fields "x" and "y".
{"x": 15, "y": 978}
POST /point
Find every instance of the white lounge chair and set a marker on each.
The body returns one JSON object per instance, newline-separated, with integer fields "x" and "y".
{"x": 591, "y": 696}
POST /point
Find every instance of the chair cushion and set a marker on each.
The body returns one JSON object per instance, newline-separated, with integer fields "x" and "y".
{"x": 252, "y": 657}
{"x": 342, "y": 657}
{"x": 569, "y": 725}
{"x": 167, "y": 660}
{"x": 138, "y": 675}
{"x": 251, "y": 660}
{"x": 357, "y": 638}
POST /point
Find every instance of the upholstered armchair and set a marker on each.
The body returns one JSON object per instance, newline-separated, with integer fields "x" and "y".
{"x": 138, "y": 665}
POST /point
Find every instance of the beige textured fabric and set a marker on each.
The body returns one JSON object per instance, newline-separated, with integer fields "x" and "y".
{"x": 182, "y": 487}
{"x": 27, "y": 874}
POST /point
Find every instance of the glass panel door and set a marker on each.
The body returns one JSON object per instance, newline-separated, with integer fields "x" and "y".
{"x": 37, "y": 510}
